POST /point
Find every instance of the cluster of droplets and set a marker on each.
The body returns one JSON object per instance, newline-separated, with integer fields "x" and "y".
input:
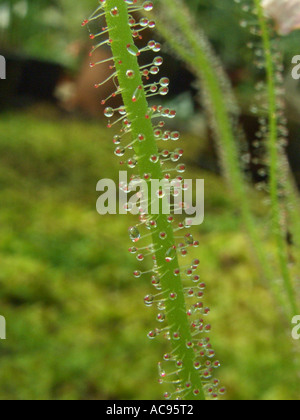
{"x": 142, "y": 233}
{"x": 196, "y": 311}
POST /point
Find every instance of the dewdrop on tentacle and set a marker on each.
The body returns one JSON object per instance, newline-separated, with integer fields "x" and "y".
{"x": 158, "y": 240}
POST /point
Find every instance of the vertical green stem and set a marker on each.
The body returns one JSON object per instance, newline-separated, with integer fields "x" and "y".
{"x": 273, "y": 148}
{"x": 121, "y": 36}
{"x": 202, "y": 64}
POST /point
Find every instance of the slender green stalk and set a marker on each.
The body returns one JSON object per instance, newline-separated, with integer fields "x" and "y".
{"x": 200, "y": 59}
{"x": 274, "y": 159}
{"x": 138, "y": 112}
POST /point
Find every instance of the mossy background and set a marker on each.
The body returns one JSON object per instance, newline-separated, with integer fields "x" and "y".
{"x": 76, "y": 323}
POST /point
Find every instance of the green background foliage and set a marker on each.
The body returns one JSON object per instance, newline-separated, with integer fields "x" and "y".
{"x": 76, "y": 322}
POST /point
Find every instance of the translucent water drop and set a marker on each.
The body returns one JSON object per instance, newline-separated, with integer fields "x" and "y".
{"x": 197, "y": 365}
{"x": 154, "y": 159}
{"x": 189, "y": 240}
{"x": 154, "y": 70}
{"x": 160, "y": 193}
{"x": 175, "y": 135}
{"x": 133, "y": 250}
{"x": 176, "y": 336}
{"x": 150, "y": 224}
{"x": 109, "y": 112}
{"x": 153, "y": 88}
{"x": 130, "y": 74}
{"x": 122, "y": 110}
{"x": 148, "y": 300}
{"x": 164, "y": 82}
{"x": 148, "y": 6}
{"x": 155, "y": 281}
{"x": 183, "y": 252}
{"x": 161, "y": 306}
{"x": 180, "y": 169}
{"x": 137, "y": 93}
{"x": 133, "y": 50}
{"x": 152, "y": 334}
{"x": 157, "y": 47}
{"x": 137, "y": 274}
{"x": 140, "y": 257}
{"x": 131, "y": 163}
{"x": 120, "y": 151}
{"x": 126, "y": 123}
{"x": 167, "y": 395}
{"x": 116, "y": 139}
{"x": 189, "y": 344}
{"x": 128, "y": 207}
{"x": 196, "y": 279}
{"x": 151, "y": 44}
{"x": 158, "y": 61}
{"x": 134, "y": 234}
{"x": 170, "y": 254}
{"x": 131, "y": 20}
{"x": 144, "y": 22}
{"x": 175, "y": 157}
{"x": 161, "y": 317}
{"x": 163, "y": 235}
{"x": 125, "y": 187}
{"x": 172, "y": 114}
{"x": 166, "y": 137}
{"x": 157, "y": 133}
{"x": 163, "y": 91}
{"x": 114, "y": 11}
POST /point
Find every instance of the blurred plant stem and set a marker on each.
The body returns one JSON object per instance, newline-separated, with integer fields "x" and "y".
{"x": 191, "y": 45}
{"x": 275, "y": 160}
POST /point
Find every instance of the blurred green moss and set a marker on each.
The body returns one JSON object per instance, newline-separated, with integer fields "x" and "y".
{"x": 76, "y": 322}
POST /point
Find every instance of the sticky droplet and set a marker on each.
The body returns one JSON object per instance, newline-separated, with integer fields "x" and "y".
{"x": 114, "y": 12}
{"x": 133, "y": 50}
{"x": 171, "y": 254}
{"x": 109, "y": 112}
{"x": 130, "y": 74}
{"x": 134, "y": 234}
{"x": 148, "y": 6}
